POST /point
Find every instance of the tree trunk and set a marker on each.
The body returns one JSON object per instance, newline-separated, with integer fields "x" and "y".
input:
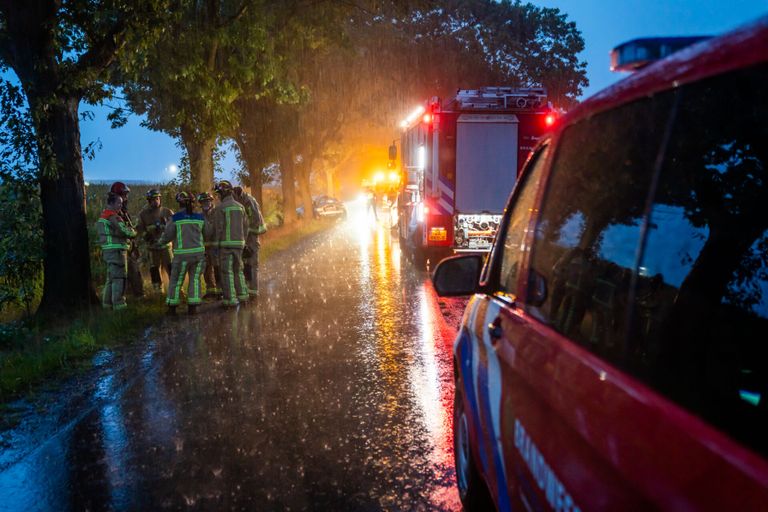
{"x": 200, "y": 155}
{"x": 287, "y": 176}
{"x": 67, "y": 284}
{"x": 254, "y": 175}
{"x": 305, "y": 169}
{"x": 252, "y": 164}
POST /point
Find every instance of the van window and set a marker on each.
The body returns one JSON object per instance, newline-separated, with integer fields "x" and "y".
{"x": 701, "y": 329}
{"x": 587, "y": 239}
{"x": 516, "y": 235}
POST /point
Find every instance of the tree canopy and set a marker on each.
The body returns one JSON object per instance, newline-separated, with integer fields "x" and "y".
{"x": 62, "y": 53}
{"x": 288, "y": 82}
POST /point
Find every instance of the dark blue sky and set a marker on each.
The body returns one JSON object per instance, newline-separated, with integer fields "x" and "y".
{"x": 133, "y": 152}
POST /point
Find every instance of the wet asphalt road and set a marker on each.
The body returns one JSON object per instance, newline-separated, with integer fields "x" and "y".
{"x": 334, "y": 392}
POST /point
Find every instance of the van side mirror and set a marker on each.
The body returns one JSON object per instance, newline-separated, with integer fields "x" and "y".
{"x": 393, "y": 152}
{"x": 458, "y": 275}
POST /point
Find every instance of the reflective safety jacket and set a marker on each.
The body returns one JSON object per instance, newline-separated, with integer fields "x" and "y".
{"x": 185, "y": 231}
{"x": 230, "y": 224}
{"x": 209, "y": 232}
{"x": 153, "y": 221}
{"x": 113, "y": 232}
{"x": 256, "y": 224}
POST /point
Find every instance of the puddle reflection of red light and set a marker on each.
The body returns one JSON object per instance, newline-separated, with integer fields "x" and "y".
{"x": 438, "y": 339}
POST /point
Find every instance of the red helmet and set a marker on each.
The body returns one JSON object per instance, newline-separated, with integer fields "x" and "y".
{"x": 119, "y": 188}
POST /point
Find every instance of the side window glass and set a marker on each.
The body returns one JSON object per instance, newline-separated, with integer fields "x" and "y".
{"x": 701, "y": 329}
{"x": 588, "y": 234}
{"x": 516, "y": 234}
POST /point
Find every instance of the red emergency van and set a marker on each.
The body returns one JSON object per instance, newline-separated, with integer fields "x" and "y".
{"x": 614, "y": 353}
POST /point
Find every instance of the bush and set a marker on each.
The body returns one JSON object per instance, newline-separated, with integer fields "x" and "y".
{"x": 21, "y": 241}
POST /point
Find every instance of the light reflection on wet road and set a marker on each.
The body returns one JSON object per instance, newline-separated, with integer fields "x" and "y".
{"x": 333, "y": 393}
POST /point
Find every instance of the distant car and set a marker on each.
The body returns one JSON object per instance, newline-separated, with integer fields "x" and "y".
{"x": 614, "y": 353}
{"x": 326, "y": 206}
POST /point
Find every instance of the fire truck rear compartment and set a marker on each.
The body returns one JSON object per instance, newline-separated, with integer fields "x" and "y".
{"x": 486, "y": 170}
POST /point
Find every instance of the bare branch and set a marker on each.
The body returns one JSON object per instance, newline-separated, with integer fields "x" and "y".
{"x": 235, "y": 17}
{"x": 103, "y": 53}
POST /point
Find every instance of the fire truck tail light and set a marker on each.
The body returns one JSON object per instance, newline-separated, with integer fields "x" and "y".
{"x": 549, "y": 120}
{"x": 427, "y": 118}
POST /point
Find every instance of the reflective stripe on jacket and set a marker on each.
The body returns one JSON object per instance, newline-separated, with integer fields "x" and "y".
{"x": 230, "y": 223}
{"x": 185, "y": 231}
{"x": 113, "y": 232}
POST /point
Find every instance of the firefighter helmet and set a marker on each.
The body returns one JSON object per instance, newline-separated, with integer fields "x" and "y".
{"x": 119, "y": 188}
{"x": 152, "y": 193}
{"x": 223, "y": 187}
{"x": 204, "y": 196}
{"x": 183, "y": 198}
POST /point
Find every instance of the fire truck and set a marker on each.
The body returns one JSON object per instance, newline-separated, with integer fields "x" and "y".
{"x": 459, "y": 162}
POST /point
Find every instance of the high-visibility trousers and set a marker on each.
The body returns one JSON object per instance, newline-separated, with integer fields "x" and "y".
{"x": 186, "y": 265}
{"x": 160, "y": 258}
{"x": 251, "y": 264}
{"x": 212, "y": 273}
{"x": 134, "y": 280}
{"x": 113, "y": 295}
{"x": 233, "y": 283}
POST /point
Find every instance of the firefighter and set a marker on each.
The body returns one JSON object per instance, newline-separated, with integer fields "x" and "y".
{"x": 114, "y": 235}
{"x": 135, "y": 282}
{"x": 153, "y": 219}
{"x": 185, "y": 231}
{"x": 212, "y": 273}
{"x": 371, "y": 193}
{"x": 230, "y": 228}
{"x": 256, "y": 226}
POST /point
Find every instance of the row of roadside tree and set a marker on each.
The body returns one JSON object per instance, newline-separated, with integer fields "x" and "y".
{"x": 290, "y": 83}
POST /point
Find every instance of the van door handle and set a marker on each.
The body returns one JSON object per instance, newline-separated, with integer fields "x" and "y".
{"x": 495, "y": 331}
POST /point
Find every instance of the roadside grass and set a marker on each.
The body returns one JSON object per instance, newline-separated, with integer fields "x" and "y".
{"x": 35, "y": 353}
{"x": 31, "y": 354}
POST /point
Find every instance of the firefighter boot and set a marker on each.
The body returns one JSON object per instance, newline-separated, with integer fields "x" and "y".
{"x": 171, "y": 311}
{"x": 192, "y": 309}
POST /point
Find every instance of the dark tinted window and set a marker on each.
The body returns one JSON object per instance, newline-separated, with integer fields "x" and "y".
{"x": 516, "y": 235}
{"x": 701, "y": 334}
{"x": 588, "y": 235}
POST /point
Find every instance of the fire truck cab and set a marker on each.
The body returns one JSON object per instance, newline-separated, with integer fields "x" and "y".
{"x": 459, "y": 161}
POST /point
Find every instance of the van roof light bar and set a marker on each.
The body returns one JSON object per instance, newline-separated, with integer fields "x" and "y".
{"x": 638, "y": 53}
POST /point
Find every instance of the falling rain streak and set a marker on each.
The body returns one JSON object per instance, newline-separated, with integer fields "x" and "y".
{"x": 334, "y": 392}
